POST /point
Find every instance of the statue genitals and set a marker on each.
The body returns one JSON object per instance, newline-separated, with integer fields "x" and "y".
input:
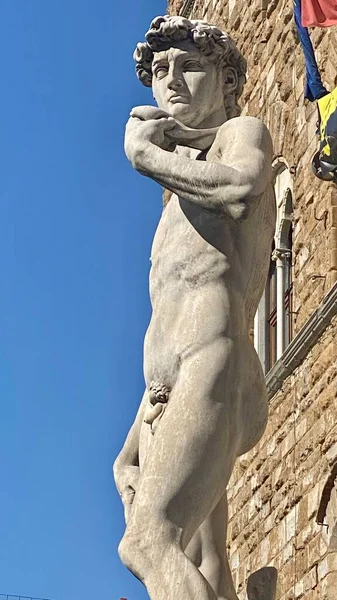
{"x": 205, "y": 400}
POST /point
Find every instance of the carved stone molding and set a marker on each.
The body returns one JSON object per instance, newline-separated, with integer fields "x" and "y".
{"x": 302, "y": 343}
{"x": 280, "y": 253}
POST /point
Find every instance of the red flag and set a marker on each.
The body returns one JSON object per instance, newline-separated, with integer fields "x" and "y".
{"x": 319, "y": 13}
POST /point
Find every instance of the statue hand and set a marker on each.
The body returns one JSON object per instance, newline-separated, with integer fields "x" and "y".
{"x": 145, "y": 113}
{"x": 126, "y": 481}
{"x": 138, "y": 133}
{"x": 180, "y": 134}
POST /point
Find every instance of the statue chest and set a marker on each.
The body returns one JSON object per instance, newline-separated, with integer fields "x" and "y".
{"x": 183, "y": 249}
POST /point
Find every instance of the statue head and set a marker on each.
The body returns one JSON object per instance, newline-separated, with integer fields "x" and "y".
{"x": 195, "y": 69}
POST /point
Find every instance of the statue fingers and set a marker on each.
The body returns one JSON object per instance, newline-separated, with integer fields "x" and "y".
{"x": 127, "y": 512}
{"x": 145, "y": 113}
{"x": 128, "y": 495}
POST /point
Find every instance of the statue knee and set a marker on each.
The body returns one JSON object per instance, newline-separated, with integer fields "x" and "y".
{"x": 140, "y": 547}
{"x": 135, "y": 552}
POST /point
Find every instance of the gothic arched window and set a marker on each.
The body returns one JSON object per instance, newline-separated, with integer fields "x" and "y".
{"x": 273, "y": 325}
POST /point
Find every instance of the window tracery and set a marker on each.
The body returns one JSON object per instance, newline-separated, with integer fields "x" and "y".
{"x": 273, "y": 325}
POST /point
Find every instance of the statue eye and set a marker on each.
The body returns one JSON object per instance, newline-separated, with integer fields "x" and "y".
{"x": 192, "y": 65}
{"x": 160, "y": 71}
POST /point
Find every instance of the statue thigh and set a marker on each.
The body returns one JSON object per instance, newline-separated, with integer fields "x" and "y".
{"x": 210, "y": 538}
{"x": 207, "y": 550}
{"x": 191, "y": 456}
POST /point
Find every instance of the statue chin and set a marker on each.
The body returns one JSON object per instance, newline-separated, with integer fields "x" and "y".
{"x": 194, "y": 117}
{"x": 182, "y": 112}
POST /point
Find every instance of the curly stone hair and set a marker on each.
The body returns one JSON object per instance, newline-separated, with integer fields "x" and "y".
{"x": 211, "y": 41}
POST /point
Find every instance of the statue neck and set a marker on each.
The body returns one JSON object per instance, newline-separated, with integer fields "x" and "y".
{"x": 200, "y": 137}
{"x": 214, "y": 120}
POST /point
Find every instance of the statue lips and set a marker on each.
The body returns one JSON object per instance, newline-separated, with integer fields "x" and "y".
{"x": 177, "y": 98}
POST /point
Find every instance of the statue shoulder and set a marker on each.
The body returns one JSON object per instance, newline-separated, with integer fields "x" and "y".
{"x": 245, "y": 133}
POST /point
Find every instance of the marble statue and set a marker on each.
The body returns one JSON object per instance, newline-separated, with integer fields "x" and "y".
{"x": 205, "y": 400}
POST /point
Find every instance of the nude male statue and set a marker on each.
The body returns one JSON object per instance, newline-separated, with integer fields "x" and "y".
{"x": 205, "y": 399}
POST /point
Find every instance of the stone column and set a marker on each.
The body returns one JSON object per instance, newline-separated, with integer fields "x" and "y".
{"x": 280, "y": 256}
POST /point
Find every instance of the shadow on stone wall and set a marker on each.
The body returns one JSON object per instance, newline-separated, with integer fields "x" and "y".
{"x": 261, "y": 585}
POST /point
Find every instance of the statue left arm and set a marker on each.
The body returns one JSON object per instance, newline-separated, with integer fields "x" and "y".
{"x": 240, "y": 172}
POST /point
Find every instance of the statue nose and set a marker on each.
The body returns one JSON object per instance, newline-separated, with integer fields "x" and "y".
{"x": 175, "y": 83}
{"x": 176, "y": 86}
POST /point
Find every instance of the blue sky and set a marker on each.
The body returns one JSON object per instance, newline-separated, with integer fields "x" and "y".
{"x": 76, "y": 227}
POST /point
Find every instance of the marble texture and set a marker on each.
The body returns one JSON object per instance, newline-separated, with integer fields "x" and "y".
{"x": 205, "y": 400}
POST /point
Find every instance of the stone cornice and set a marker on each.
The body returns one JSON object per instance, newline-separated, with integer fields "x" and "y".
{"x": 187, "y": 8}
{"x": 302, "y": 343}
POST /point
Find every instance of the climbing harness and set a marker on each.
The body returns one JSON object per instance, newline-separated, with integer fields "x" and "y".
{"x": 324, "y": 162}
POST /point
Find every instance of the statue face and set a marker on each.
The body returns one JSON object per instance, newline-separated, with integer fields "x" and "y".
{"x": 186, "y": 84}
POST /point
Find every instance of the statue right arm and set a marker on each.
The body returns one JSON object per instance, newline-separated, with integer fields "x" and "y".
{"x": 237, "y": 171}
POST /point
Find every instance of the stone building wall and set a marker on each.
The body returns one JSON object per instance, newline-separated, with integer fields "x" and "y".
{"x": 265, "y": 33}
{"x": 276, "y": 489}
